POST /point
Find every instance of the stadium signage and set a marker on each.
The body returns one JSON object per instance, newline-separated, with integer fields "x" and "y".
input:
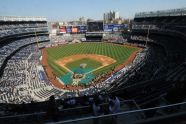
{"x": 114, "y": 27}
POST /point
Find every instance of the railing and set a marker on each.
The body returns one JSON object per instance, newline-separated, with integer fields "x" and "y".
{"x": 155, "y": 28}
{"x": 136, "y": 115}
{"x": 19, "y": 18}
{"x": 64, "y": 113}
{"x": 10, "y": 32}
{"x": 123, "y": 115}
{"x": 171, "y": 12}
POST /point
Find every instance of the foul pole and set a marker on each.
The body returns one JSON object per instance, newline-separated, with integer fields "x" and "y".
{"x": 36, "y": 39}
{"x": 147, "y": 35}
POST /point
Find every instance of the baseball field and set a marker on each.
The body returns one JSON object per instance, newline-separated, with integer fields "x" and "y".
{"x": 90, "y": 59}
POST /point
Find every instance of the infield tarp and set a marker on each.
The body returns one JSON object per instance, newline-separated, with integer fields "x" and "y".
{"x": 67, "y": 79}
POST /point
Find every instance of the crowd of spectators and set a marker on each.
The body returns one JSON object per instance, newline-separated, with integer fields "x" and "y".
{"x": 114, "y": 37}
{"x": 21, "y": 74}
{"x": 170, "y": 24}
{"x": 21, "y": 25}
{"x": 17, "y": 31}
{"x": 12, "y": 28}
{"x": 65, "y": 38}
{"x": 140, "y": 38}
{"x": 6, "y": 50}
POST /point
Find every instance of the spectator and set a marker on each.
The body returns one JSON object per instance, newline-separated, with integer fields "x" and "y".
{"x": 114, "y": 104}
{"x": 96, "y": 108}
{"x": 96, "y": 111}
{"x": 114, "y": 107}
{"x": 71, "y": 102}
{"x": 52, "y": 109}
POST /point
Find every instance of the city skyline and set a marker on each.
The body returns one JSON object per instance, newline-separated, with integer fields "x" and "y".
{"x": 66, "y": 10}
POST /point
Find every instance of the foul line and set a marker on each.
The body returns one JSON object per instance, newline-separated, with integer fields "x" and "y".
{"x": 63, "y": 66}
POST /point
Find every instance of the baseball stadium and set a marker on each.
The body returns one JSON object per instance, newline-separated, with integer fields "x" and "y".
{"x": 94, "y": 71}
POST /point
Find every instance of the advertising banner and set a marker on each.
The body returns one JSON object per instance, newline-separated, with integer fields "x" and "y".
{"x": 108, "y": 27}
{"x": 69, "y": 29}
{"x": 82, "y": 29}
{"x": 125, "y": 26}
{"x": 114, "y": 27}
{"x": 62, "y": 30}
{"x": 74, "y": 29}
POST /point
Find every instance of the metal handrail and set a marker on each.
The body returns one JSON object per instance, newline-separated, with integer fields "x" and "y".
{"x": 120, "y": 113}
{"x": 40, "y": 113}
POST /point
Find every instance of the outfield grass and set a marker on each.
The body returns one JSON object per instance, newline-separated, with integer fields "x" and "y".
{"x": 117, "y": 52}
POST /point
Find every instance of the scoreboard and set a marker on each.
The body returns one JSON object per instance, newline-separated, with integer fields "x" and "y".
{"x": 95, "y": 26}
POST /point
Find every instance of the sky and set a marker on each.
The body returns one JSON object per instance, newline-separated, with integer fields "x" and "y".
{"x": 66, "y": 10}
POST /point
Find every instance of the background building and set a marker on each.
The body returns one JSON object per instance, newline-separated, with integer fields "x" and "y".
{"x": 110, "y": 16}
